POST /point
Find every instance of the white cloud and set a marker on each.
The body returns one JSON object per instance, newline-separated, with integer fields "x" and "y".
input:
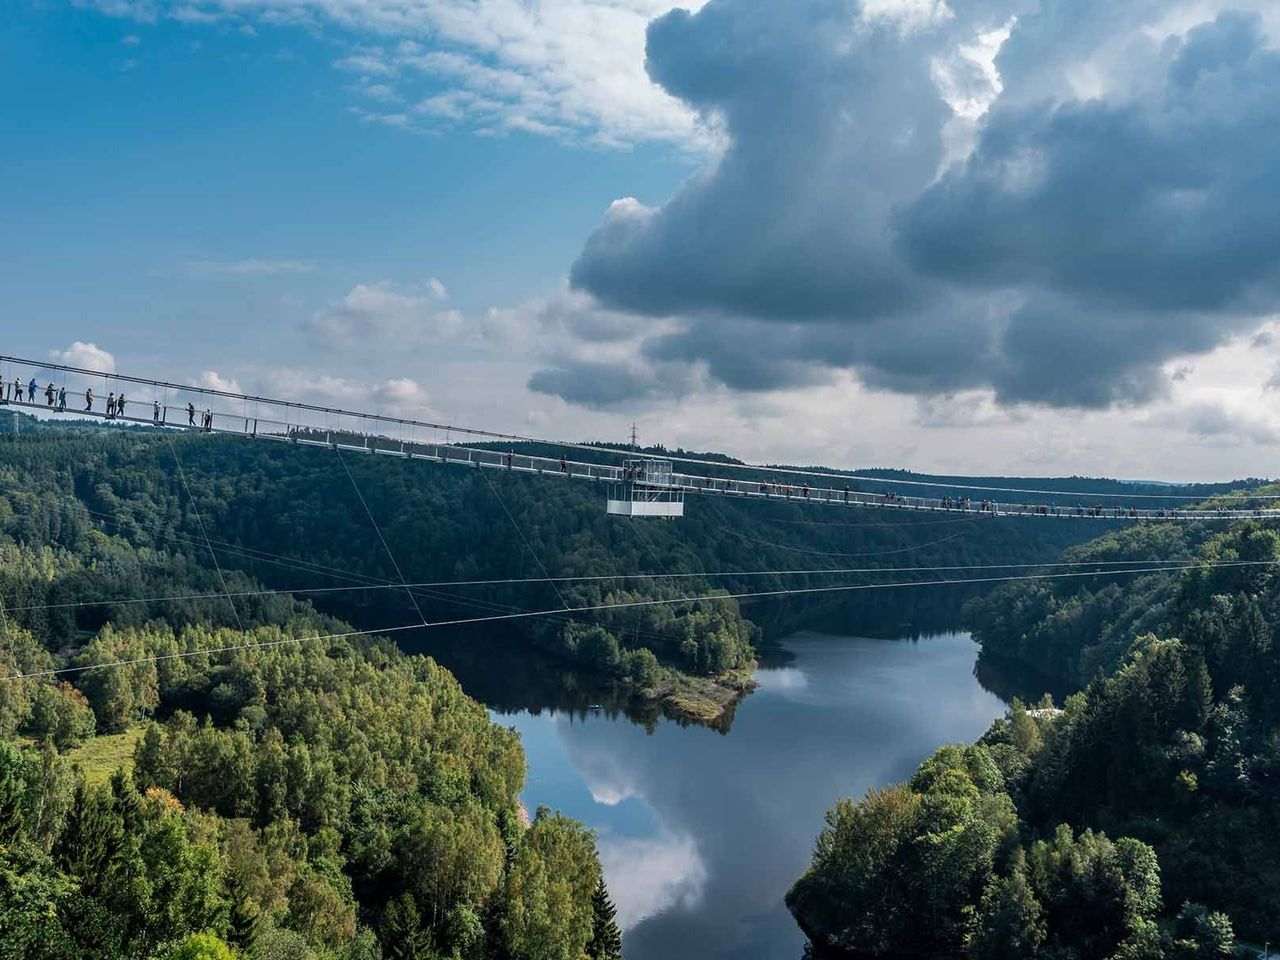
{"x": 249, "y": 267}
{"x": 87, "y": 356}
{"x": 648, "y": 876}
{"x": 212, "y": 380}
{"x": 400, "y": 396}
{"x": 380, "y": 310}
{"x": 571, "y": 68}
{"x": 379, "y": 91}
{"x": 364, "y": 64}
{"x": 401, "y": 392}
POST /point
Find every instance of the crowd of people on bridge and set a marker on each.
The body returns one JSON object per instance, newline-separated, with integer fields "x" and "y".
{"x": 55, "y": 397}
{"x": 16, "y": 392}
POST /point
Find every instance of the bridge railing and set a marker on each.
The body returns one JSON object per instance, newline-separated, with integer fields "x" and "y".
{"x": 61, "y": 391}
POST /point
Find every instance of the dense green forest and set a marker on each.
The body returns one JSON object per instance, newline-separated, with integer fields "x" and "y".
{"x": 291, "y": 517}
{"x": 1142, "y": 819}
{"x": 257, "y": 783}
{"x": 337, "y": 798}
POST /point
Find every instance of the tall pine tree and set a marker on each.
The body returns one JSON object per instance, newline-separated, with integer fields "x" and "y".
{"x": 606, "y": 937}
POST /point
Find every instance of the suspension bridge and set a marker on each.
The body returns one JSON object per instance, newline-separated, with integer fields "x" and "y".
{"x": 636, "y": 483}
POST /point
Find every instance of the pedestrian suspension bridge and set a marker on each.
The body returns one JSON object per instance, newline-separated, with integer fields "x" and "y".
{"x": 635, "y": 483}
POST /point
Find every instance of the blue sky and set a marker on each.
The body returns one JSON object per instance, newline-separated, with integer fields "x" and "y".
{"x": 1028, "y": 236}
{"x": 139, "y": 151}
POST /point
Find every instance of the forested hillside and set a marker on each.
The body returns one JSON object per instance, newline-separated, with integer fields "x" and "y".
{"x": 223, "y": 790}
{"x": 292, "y": 518}
{"x": 1141, "y": 820}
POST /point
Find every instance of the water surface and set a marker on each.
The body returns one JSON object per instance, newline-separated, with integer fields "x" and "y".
{"x": 702, "y": 832}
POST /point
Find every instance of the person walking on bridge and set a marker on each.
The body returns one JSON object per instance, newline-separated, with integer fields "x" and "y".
{"x": 88, "y": 400}
{"x": 17, "y": 389}
{"x": 191, "y": 414}
{"x": 155, "y": 412}
{"x": 48, "y": 394}
{"x": 120, "y": 405}
{"x": 111, "y": 404}
{"x": 62, "y": 399}
{"x": 31, "y": 391}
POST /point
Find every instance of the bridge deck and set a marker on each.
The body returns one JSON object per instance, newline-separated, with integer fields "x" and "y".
{"x": 268, "y": 420}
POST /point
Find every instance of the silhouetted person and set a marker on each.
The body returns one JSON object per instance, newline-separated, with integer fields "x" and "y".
{"x": 88, "y": 400}
{"x": 62, "y": 399}
{"x": 191, "y": 414}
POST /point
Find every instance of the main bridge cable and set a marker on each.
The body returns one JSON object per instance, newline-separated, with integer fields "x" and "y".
{"x": 827, "y": 495}
{"x": 872, "y": 553}
{"x": 1170, "y": 566}
{"x": 616, "y": 451}
{"x": 528, "y": 614}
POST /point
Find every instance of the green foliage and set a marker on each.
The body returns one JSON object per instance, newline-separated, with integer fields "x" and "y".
{"x": 403, "y": 935}
{"x": 899, "y": 872}
{"x": 260, "y": 794}
{"x": 114, "y": 521}
{"x": 61, "y": 713}
{"x": 202, "y": 946}
{"x": 1010, "y": 921}
{"x": 606, "y": 936}
{"x": 548, "y": 890}
{"x": 1173, "y": 747}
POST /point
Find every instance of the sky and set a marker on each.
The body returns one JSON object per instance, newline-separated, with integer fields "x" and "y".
{"x": 1026, "y": 237}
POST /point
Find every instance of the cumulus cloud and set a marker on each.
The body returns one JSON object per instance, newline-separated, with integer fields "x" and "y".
{"x": 1223, "y": 425}
{"x": 1108, "y": 201}
{"x": 87, "y": 356}
{"x": 647, "y": 876}
{"x": 212, "y": 380}
{"x": 402, "y": 396}
{"x": 570, "y": 68}
{"x": 382, "y": 310}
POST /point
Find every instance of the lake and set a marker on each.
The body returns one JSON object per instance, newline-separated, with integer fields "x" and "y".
{"x": 702, "y": 832}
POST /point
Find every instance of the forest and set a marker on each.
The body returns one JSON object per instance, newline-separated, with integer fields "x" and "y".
{"x": 255, "y": 776}
{"x": 1138, "y": 819}
{"x": 248, "y": 779}
{"x": 293, "y": 518}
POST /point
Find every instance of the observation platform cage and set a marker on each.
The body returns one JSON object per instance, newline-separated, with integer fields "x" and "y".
{"x": 646, "y": 489}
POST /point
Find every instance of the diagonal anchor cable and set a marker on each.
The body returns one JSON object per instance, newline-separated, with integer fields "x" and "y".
{"x": 200, "y": 522}
{"x": 412, "y": 599}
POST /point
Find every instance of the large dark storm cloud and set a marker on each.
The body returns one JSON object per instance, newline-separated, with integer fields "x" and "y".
{"x": 1090, "y": 235}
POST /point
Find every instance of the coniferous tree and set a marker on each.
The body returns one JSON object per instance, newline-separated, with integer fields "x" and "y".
{"x": 243, "y": 915}
{"x": 402, "y": 934}
{"x": 606, "y": 936}
{"x": 12, "y": 790}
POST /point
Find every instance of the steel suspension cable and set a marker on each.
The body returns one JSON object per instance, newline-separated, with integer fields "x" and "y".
{"x": 606, "y": 449}
{"x": 630, "y": 604}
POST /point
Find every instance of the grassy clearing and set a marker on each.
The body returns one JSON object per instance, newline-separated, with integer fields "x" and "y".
{"x": 102, "y": 756}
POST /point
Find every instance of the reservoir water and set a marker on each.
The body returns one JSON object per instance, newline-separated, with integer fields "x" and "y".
{"x": 702, "y": 832}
